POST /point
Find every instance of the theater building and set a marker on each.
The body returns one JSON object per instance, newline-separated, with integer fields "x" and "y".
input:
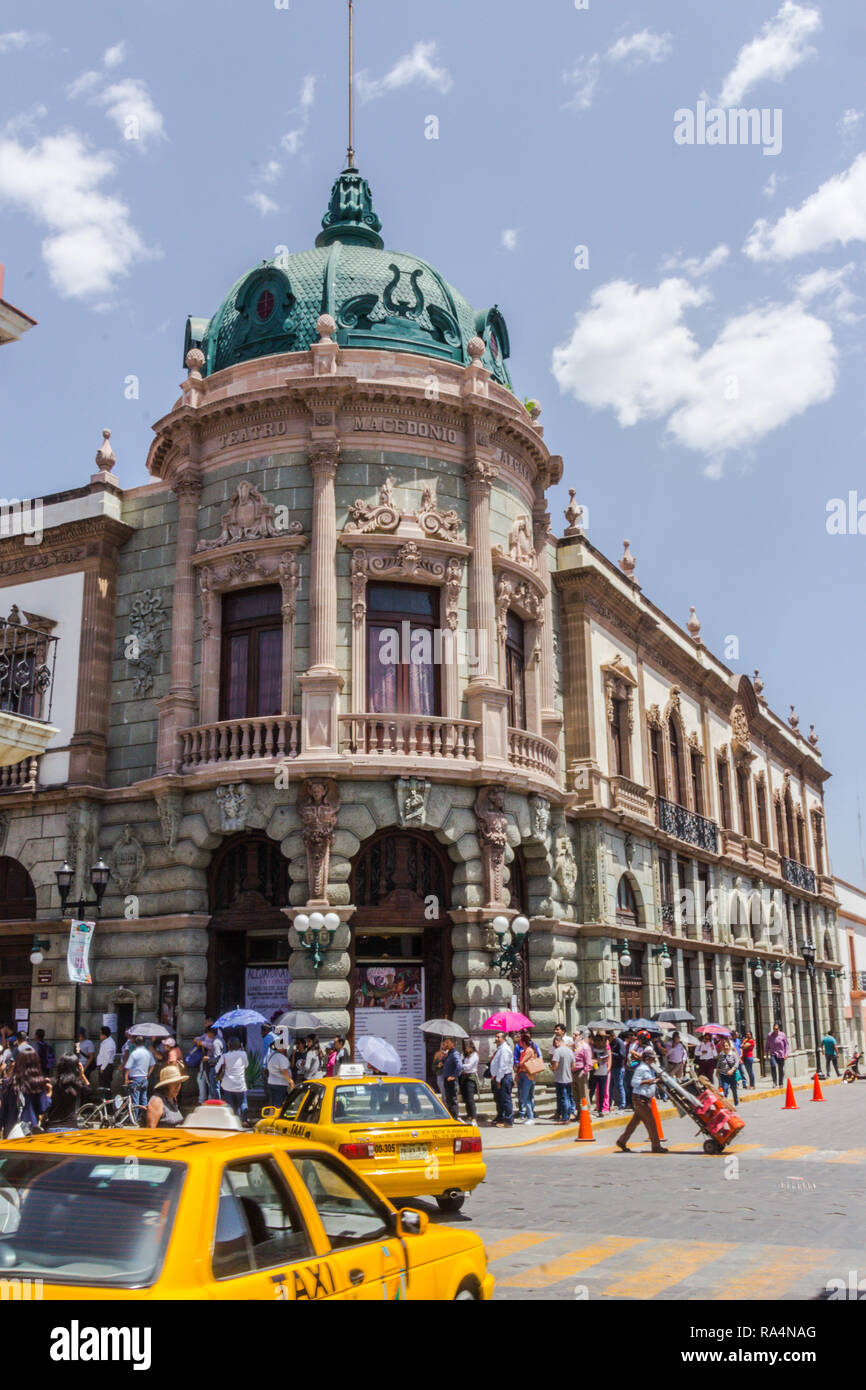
{"x": 332, "y": 659}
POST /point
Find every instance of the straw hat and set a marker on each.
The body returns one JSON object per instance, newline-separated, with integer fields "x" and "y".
{"x": 169, "y": 1075}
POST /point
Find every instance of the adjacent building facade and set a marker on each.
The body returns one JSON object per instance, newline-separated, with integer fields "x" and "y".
{"x": 334, "y": 660}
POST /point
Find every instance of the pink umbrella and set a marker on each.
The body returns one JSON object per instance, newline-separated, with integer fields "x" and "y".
{"x": 714, "y": 1028}
{"x": 506, "y": 1022}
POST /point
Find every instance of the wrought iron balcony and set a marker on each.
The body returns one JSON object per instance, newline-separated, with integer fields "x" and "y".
{"x": 669, "y": 915}
{"x": 27, "y": 661}
{"x": 688, "y": 825}
{"x": 800, "y": 875}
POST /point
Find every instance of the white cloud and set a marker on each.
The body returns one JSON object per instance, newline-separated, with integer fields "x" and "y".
{"x": 643, "y": 47}
{"x": 86, "y": 82}
{"x": 91, "y": 241}
{"x": 831, "y": 285}
{"x": 584, "y": 78}
{"x": 849, "y": 121}
{"x": 262, "y": 203}
{"x": 16, "y": 39}
{"x": 419, "y": 66}
{"x": 632, "y": 352}
{"x": 696, "y": 268}
{"x": 293, "y": 139}
{"x": 781, "y": 46}
{"x": 509, "y": 238}
{"x": 129, "y": 104}
{"x": 835, "y": 213}
{"x": 114, "y": 56}
{"x": 771, "y": 187}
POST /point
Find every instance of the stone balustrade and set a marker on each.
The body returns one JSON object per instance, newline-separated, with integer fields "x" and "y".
{"x": 409, "y": 735}
{"x": 240, "y": 740}
{"x": 21, "y": 776}
{"x": 531, "y": 752}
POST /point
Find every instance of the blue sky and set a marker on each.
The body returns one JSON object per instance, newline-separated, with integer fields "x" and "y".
{"x": 701, "y": 375}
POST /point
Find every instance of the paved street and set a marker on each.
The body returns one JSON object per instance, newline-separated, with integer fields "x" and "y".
{"x": 565, "y": 1220}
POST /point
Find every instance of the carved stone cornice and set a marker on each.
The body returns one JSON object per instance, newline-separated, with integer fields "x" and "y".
{"x": 70, "y": 544}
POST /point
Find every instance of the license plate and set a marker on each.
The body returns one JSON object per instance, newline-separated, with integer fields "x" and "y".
{"x": 413, "y": 1153}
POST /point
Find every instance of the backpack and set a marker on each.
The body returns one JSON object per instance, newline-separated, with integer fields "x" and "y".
{"x": 193, "y": 1057}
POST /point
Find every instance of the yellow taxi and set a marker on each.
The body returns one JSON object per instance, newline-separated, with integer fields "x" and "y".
{"x": 394, "y": 1130}
{"x": 206, "y": 1213}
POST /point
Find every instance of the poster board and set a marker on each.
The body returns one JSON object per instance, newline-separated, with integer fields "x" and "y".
{"x": 389, "y": 1004}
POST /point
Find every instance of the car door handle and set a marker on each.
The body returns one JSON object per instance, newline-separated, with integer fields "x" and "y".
{"x": 356, "y": 1276}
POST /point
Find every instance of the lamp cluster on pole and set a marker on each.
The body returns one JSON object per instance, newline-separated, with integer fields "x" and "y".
{"x": 316, "y": 932}
{"x": 509, "y": 937}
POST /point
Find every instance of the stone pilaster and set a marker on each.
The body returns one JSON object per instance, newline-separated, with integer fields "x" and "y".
{"x": 177, "y": 709}
{"x": 88, "y": 747}
{"x": 321, "y": 685}
{"x": 551, "y": 721}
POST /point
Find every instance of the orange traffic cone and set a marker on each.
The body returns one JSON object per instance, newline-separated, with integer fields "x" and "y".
{"x": 584, "y": 1129}
{"x": 816, "y": 1089}
{"x": 654, "y": 1108}
{"x": 790, "y": 1098}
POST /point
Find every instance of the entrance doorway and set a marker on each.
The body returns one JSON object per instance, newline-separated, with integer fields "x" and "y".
{"x": 248, "y": 955}
{"x": 16, "y": 975}
{"x": 401, "y": 967}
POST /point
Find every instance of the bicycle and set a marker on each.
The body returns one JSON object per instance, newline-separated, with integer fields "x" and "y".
{"x": 121, "y": 1112}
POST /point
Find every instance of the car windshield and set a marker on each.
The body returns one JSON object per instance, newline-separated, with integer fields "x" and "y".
{"x": 383, "y": 1102}
{"x": 83, "y": 1219}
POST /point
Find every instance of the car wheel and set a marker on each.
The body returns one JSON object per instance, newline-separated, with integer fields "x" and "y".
{"x": 451, "y": 1204}
{"x": 468, "y": 1292}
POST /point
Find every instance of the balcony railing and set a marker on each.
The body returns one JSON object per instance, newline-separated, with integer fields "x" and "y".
{"x": 688, "y": 825}
{"x": 240, "y": 740}
{"x": 630, "y": 797}
{"x": 20, "y": 777}
{"x": 669, "y": 915}
{"x": 409, "y": 735}
{"x": 799, "y": 875}
{"x": 531, "y": 752}
{"x": 27, "y": 661}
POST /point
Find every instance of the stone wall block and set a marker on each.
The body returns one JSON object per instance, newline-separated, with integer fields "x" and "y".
{"x": 468, "y": 936}
{"x": 459, "y": 821}
{"x": 282, "y": 822}
{"x": 358, "y": 819}
{"x": 345, "y": 844}
{"x": 466, "y": 849}
{"x": 335, "y": 966}
{"x": 471, "y": 965}
{"x": 318, "y": 994}
{"x": 472, "y": 872}
{"x": 486, "y": 994}
{"x": 196, "y": 829}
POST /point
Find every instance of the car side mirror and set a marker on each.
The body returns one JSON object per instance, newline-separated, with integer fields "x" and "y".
{"x": 269, "y": 1112}
{"x": 411, "y": 1222}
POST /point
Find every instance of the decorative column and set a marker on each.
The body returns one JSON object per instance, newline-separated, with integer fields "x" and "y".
{"x": 321, "y": 686}
{"x": 487, "y": 700}
{"x": 325, "y": 990}
{"x": 551, "y": 721}
{"x": 359, "y": 631}
{"x": 177, "y": 709}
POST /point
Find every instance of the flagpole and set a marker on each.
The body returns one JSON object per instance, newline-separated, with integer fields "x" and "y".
{"x": 351, "y": 151}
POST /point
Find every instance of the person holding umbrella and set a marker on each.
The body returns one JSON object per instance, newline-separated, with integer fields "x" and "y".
{"x": 450, "y": 1076}
{"x": 502, "y": 1079}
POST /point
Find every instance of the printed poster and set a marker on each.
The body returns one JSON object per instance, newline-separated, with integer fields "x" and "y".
{"x": 389, "y": 1004}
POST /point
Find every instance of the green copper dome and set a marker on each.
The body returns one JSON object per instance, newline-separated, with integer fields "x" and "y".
{"x": 378, "y": 298}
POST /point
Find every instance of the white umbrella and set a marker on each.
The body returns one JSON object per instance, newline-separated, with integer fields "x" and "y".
{"x": 378, "y": 1053}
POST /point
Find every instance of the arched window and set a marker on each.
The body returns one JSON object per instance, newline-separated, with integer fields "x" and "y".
{"x": 789, "y": 826}
{"x": 402, "y": 673}
{"x": 248, "y": 888}
{"x": 743, "y": 800}
{"x": 697, "y": 781}
{"x": 676, "y": 765}
{"x": 515, "y": 673}
{"x": 656, "y": 759}
{"x": 626, "y": 903}
{"x": 17, "y": 894}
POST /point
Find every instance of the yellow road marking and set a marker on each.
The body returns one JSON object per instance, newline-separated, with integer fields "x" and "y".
{"x": 850, "y": 1156}
{"x": 541, "y": 1276}
{"x": 796, "y": 1151}
{"x": 512, "y": 1245}
{"x": 667, "y": 1263}
{"x": 752, "y": 1281}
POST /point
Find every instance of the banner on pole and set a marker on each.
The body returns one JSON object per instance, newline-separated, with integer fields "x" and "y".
{"x": 78, "y": 952}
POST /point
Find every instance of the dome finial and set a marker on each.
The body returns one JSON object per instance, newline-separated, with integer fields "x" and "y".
{"x": 351, "y": 216}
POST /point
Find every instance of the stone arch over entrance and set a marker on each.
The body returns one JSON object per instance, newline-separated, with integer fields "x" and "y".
{"x": 402, "y": 893}
{"x": 17, "y": 893}
{"x": 248, "y": 887}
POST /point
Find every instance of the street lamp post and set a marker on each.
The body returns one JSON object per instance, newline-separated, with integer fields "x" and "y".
{"x": 316, "y": 932}
{"x": 510, "y": 937}
{"x": 809, "y": 953}
{"x": 99, "y": 876}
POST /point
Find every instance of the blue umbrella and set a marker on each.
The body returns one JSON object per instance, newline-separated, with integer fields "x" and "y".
{"x": 239, "y": 1018}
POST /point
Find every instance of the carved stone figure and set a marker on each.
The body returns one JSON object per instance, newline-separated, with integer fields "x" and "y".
{"x": 565, "y": 868}
{"x": 359, "y": 586}
{"x": 249, "y": 518}
{"x": 453, "y": 585}
{"x": 520, "y": 547}
{"x": 144, "y": 645}
{"x": 127, "y": 860}
{"x": 170, "y": 807}
{"x": 742, "y": 736}
{"x": 233, "y": 801}
{"x": 539, "y": 808}
{"x": 318, "y": 805}
{"x": 492, "y": 824}
{"x": 413, "y": 793}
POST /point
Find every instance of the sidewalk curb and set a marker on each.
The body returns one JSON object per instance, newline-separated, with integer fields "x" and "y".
{"x": 666, "y": 1112}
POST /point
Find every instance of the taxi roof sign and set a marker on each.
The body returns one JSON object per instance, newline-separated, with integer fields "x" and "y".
{"x": 213, "y": 1114}
{"x": 351, "y": 1070}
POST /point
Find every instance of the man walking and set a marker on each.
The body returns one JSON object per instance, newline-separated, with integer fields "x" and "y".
{"x": 777, "y": 1049}
{"x": 502, "y": 1076}
{"x": 643, "y": 1089}
{"x": 582, "y": 1071}
{"x": 562, "y": 1061}
{"x": 450, "y": 1076}
{"x": 831, "y": 1052}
